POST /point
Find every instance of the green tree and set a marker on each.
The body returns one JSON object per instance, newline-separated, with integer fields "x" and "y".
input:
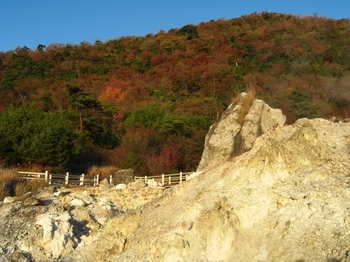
{"x": 188, "y": 30}
{"x": 300, "y": 106}
{"x": 150, "y": 117}
{"x": 30, "y": 135}
{"x": 91, "y": 122}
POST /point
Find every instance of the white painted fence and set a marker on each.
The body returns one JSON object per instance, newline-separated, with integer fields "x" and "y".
{"x": 167, "y": 180}
{"x": 62, "y": 179}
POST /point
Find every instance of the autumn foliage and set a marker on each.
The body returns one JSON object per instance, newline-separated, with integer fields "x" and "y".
{"x": 147, "y": 102}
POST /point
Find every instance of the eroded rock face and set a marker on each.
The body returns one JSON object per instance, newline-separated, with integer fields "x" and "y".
{"x": 229, "y": 137}
{"x": 287, "y": 199}
{"x": 220, "y": 142}
{"x": 58, "y": 239}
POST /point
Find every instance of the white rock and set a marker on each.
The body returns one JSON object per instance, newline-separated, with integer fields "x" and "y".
{"x": 57, "y": 193}
{"x": 121, "y": 186}
{"x": 152, "y": 183}
{"x": 138, "y": 184}
{"x": 77, "y": 202}
{"x": 58, "y": 234}
{"x": 8, "y": 200}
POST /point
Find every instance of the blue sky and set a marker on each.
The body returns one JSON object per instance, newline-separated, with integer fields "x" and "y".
{"x": 32, "y": 22}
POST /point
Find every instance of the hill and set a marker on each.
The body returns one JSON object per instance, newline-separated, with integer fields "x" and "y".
{"x": 147, "y": 102}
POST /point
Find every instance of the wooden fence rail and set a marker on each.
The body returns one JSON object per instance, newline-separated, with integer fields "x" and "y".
{"x": 62, "y": 179}
{"x": 166, "y": 180}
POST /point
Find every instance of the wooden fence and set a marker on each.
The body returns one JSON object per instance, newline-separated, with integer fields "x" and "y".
{"x": 61, "y": 179}
{"x": 167, "y": 180}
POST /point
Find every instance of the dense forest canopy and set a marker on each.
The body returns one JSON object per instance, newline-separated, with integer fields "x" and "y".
{"x": 147, "y": 102}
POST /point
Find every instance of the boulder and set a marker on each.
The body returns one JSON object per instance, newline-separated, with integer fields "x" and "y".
{"x": 31, "y": 201}
{"x": 105, "y": 185}
{"x": 78, "y": 202}
{"x": 123, "y": 176}
{"x": 138, "y": 184}
{"x": 152, "y": 184}
{"x": 121, "y": 186}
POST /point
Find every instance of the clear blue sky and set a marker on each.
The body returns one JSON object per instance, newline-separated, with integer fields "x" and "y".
{"x": 32, "y": 22}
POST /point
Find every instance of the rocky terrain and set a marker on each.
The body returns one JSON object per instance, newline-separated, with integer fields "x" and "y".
{"x": 52, "y": 222}
{"x": 285, "y": 198}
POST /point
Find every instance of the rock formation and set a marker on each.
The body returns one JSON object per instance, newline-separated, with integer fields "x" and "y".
{"x": 229, "y": 136}
{"x": 285, "y": 199}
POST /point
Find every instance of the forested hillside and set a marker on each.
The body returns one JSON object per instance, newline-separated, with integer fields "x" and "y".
{"x": 147, "y": 102}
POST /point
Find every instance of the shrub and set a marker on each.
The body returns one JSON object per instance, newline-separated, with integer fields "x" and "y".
{"x": 300, "y": 106}
{"x": 8, "y": 180}
{"x": 23, "y": 186}
{"x": 11, "y": 185}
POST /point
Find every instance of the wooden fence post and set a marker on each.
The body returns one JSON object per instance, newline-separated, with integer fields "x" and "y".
{"x": 46, "y": 176}
{"x": 169, "y": 180}
{"x": 82, "y": 180}
{"x": 145, "y": 179}
{"x": 50, "y": 179}
{"x": 111, "y": 179}
{"x": 66, "y": 180}
{"x": 97, "y": 180}
{"x": 162, "y": 179}
{"x": 180, "y": 178}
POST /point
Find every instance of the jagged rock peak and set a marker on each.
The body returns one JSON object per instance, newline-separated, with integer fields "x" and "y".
{"x": 237, "y": 131}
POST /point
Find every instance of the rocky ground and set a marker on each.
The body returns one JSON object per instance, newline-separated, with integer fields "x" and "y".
{"x": 286, "y": 199}
{"x": 50, "y": 223}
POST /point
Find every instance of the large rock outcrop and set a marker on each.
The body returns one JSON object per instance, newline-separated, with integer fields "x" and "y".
{"x": 287, "y": 199}
{"x": 231, "y": 136}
